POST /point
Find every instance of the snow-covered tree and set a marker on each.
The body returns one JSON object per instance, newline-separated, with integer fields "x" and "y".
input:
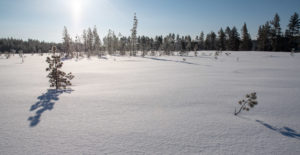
{"x": 57, "y": 77}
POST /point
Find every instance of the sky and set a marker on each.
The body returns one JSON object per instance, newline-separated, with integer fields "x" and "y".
{"x": 45, "y": 19}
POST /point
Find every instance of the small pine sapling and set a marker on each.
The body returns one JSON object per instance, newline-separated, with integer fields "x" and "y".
{"x": 57, "y": 78}
{"x": 249, "y": 102}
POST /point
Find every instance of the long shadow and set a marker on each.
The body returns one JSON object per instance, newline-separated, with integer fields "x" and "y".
{"x": 285, "y": 131}
{"x": 161, "y": 59}
{"x": 45, "y": 102}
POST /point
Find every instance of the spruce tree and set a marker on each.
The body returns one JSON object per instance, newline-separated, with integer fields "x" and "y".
{"x": 246, "y": 43}
{"x": 84, "y": 37}
{"x": 227, "y": 38}
{"x": 133, "y": 36}
{"x": 90, "y": 39}
{"x": 97, "y": 42}
{"x": 67, "y": 42}
{"x": 264, "y": 37}
{"x": 234, "y": 39}
{"x": 213, "y": 40}
{"x": 201, "y": 41}
{"x": 276, "y": 33}
{"x": 221, "y": 40}
{"x": 293, "y": 31}
{"x": 57, "y": 77}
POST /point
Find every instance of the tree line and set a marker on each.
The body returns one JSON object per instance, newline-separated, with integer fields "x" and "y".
{"x": 270, "y": 37}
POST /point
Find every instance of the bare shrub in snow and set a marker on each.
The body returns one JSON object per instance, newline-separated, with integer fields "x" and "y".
{"x": 217, "y": 53}
{"x": 293, "y": 52}
{"x": 249, "y": 102}
{"x": 7, "y": 54}
{"x": 58, "y": 78}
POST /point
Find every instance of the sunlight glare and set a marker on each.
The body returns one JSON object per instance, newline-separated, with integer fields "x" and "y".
{"x": 76, "y": 7}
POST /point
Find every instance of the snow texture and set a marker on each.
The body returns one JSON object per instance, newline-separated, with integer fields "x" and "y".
{"x": 152, "y": 105}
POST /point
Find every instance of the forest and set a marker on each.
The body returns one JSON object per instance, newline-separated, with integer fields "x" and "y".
{"x": 270, "y": 37}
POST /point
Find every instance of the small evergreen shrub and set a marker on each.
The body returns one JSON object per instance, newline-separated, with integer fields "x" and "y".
{"x": 57, "y": 77}
{"x": 249, "y": 102}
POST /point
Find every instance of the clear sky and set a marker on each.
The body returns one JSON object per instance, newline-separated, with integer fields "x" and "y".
{"x": 44, "y": 19}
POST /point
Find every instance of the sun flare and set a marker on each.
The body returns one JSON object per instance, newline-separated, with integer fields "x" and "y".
{"x": 76, "y": 8}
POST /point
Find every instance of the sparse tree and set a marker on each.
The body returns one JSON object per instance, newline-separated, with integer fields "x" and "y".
{"x": 97, "y": 42}
{"x": 264, "y": 37}
{"x": 221, "y": 40}
{"x": 89, "y": 42}
{"x": 276, "y": 33}
{"x": 133, "y": 36}
{"x": 201, "y": 41}
{"x": 246, "y": 43}
{"x": 57, "y": 77}
{"x": 234, "y": 39}
{"x": 293, "y": 31}
{"x": 67, "y": 42}
{"x": 249, "y": 102}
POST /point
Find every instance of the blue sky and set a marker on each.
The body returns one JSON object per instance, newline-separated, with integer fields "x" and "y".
{"x": 44, "y": 19}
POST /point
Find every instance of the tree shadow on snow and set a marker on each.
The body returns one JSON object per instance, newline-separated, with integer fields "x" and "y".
{"x": 162, "y": 59}
{"x": 285, "y": 131}
{"x": 45, "y": 102}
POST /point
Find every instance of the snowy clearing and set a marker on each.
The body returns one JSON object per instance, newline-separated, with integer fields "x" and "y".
{"x": 152, "y": 105}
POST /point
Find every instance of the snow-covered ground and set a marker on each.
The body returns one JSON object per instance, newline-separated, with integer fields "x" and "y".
{"x": 152, "y": 105}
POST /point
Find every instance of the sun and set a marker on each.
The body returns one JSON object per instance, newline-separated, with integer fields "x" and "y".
{"x": 76, "y": 10}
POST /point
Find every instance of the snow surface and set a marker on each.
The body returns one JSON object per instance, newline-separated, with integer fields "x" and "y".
{"x": 152, "y": 105}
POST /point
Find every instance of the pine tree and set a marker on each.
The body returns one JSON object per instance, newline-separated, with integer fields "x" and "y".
{"x": 213, "y": 40}
{"x": 188, "y": 46}
{"x": 221, "y": 40}
{"x": 201, "y": 41}
{"x": 67, "y": 42}
{"x": 249, "y": 102}
{"x": 97, "y": 42}
{"x": 246, "y": 43}
{"x": 234, "y": 39}
{"x": 57, "y": 78}
{"x": 178, "y": 46}
{"x": 227, "y": 38}
{"x": 133, "y": 36}
{"x": 84, "y": 37}
{"x": 210, "y": 41}
{"x": 294, "y": 25}
{"x": 276, "y": 33}
{"x": 89, "y": 42}
{"x": 77, "y": 45}
{"x": 293, "y": 31}
{"x": 264, "y": 37}
{"x": 207, "y": 42}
